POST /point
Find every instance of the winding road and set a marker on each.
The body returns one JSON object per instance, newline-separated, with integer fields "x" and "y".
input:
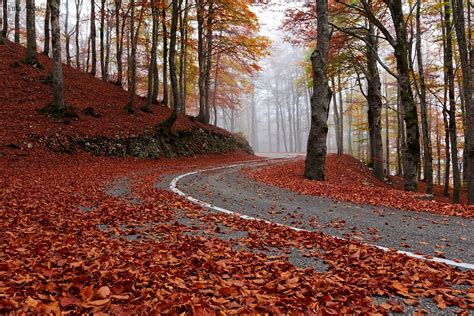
{"x": 227, "y": 189}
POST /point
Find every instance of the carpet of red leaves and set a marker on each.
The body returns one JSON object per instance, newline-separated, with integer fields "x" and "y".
{"x": 347, "y": 179}
{"x": 55, "y": 258}
{"x": 22, "y": 92}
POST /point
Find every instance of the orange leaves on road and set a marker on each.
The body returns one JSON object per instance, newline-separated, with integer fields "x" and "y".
{"x": 349, "y": 180}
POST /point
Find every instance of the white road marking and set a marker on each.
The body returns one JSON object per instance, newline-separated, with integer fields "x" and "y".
{"x": 174, "y": 188}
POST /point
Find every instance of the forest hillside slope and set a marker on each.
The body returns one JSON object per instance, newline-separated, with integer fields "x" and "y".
{"x": 102, "y": 125}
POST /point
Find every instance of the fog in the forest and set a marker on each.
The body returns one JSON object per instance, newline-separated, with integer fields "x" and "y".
{"x": 267, "y": 117}
{"x": 276, "y": 117}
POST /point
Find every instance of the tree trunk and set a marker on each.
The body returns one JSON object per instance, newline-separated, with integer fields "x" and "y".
{"x": 349, "y": 127}
{"x": 17, "y": 21}
{"x": 400, "y": 44}
{"x": 387, "y": 139}
{"x": 175, "y": 93}
{"x": 320, "y": 100}
{"x": 341, "y": 115}
{"x": 400, "y": 132}
{"x": 411, "y": 159}
{"x": 374, "y": 98}
{"x": 232, "y": 120}
{"x": 449, "y": 68}
{"x": 283, "y": 129}
{"x": 176, "y": 5}
{"x": 165, "y": 58}
{"x": 438, "y": 152}
{"x": 254, "y": 123}
{"x": 464, "y": 120}
{"x": 208, "y": 60}
{"x": 47, "y": 32}
{"x": 185, "y": 60}
{"x": 118, "y": 41}
{"x": 93, "y": 47}
{"x": 183, "y": 25}
{"x": 86, "y": 64}
{"x": 156, "y": 82}
{"x": 201, "y": 58}
{"x": 214, "y": 95}
{"x": 130, "y": 106}
{"x": 152, "y": 65}
{"x": 58, "y": 83}
{"x": 67, "y": 35}
{"x": 277, "y": 114}
{"x": 78, "y": 17}
{"x": 30, "y": 57}
{"x": 459, "y": 25}
{"x": 298, "y": 121}
{"x": 2, "y": 41}
{"x": 290, "y": 117}
{"x": 102, "y": 33}
{"x": 447, "y": 157}
{"x": 269, "y": 129}
{"x": 337, "y": 123}
{"x": 427, "y": 151}
{"x": 470, "y": 134}
{"x": 108, "y": 40}
{"x": 204, "y": 57}
{"x": 5, "y": 18}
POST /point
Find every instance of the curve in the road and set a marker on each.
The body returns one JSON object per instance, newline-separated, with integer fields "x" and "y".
{"x": 174, "y": 188}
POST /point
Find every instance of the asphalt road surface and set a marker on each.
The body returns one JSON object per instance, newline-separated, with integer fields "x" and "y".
{"x": 417, "y": 232}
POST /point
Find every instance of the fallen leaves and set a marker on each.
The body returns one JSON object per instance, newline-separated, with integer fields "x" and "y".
{"x": 347, "y": 179}
{"x": 102, "y": 293}
{"x": 74, "y": 261}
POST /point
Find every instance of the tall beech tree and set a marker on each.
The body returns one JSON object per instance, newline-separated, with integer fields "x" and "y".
{"x": 47, "y": 28}
{"x": 177, "y": 109}
{"x": 78, "y": 19}
{"x": 102, "y": 39}
{"x": 2, "y": 41}
{"x": 118, "y": 40}
{"x": 467, "y": 88}
{"x": 93, "y": 39}
{"x": 130, "y": 106}
{"x": 374, "y": 100}
{"x": 68, "y": 34}
{"x": 399, "y": 42}
{"x": 5, "y": 18}
{"x": 321, "y": 98}
{"x": 152, "y": 68}
{"x": 351, "y": 31}
{"x": 17, "y": 21}
{"x": 58, "y": 82}
{"x": 337, "y": 117}
{"x": 175, "y": 94}
{"x": 183, "y": 54}
{"x": 120, "y": 24}
{"x": 449, "y": 69}
{"x": 204, "y": 33}
{"x": 164, "y": 101}
{"x": 421, "y": 89}
{"x": 30, "y": 58}
{"x": 470, "y": 134}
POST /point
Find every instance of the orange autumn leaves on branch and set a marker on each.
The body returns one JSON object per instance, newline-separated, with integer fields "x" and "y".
{"x": 299, "y": 25}
{"x": 236, "y": 52}
{"x": 224, "y": 43}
